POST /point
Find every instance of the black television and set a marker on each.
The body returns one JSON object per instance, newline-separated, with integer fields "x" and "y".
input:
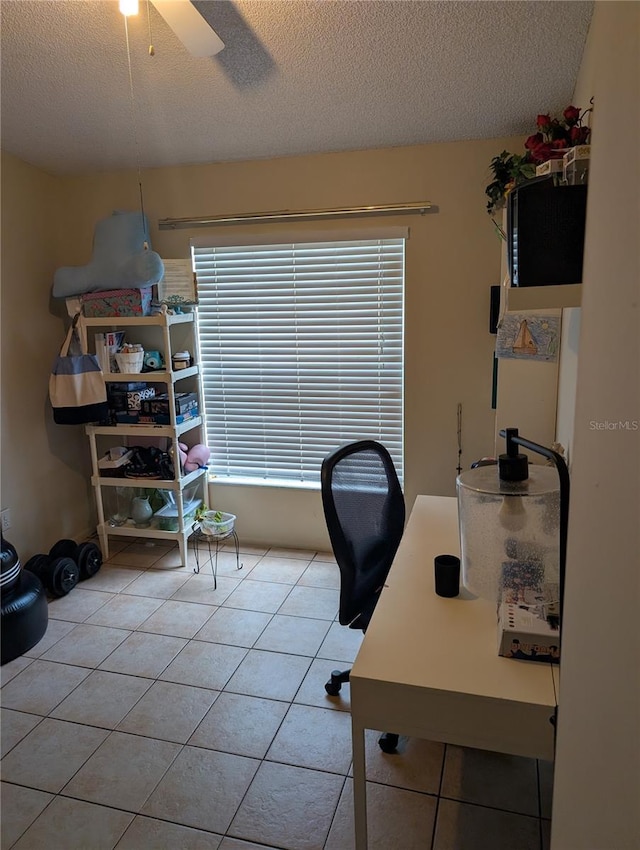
{"x": 545, "y": 232}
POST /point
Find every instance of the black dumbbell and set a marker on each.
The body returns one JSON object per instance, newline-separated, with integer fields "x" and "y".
{"x": 59, "y": 575}
{"x": 87, "y": 555}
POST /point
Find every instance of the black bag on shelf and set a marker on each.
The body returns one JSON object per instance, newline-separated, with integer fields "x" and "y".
{"x": 149, "y": 462}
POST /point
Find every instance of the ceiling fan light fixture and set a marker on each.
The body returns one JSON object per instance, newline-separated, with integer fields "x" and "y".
{"x": 190, "y": 27}
{"x": 129, "y": 7}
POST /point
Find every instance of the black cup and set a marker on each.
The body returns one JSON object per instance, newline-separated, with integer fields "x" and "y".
{"x": 447, "y": 569}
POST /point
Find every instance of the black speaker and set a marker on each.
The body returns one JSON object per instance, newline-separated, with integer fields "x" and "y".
{"x": 545, "y": 233}
{"x": 494, "y": 310}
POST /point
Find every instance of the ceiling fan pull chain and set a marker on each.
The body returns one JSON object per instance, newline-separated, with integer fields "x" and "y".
{"x": 135, "y": 136}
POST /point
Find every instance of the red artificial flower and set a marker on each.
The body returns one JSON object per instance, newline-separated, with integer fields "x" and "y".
{"x": 571, "y": 115}
{"x": 533, "y": 141}
{"x": 579, "y": 135}
{"x": 542, "y": 152}
{"x": 553, "y": 137}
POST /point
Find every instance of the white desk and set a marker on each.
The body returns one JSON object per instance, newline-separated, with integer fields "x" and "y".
{"x": 429, "y": 667}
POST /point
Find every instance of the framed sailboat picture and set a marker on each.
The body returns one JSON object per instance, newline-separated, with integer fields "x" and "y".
{"x": 528, "y": 336}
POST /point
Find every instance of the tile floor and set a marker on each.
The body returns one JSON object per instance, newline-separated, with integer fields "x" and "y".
{"x": 159, "y": 713}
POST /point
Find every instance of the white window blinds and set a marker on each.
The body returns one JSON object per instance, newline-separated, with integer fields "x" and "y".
{"x": 302, "y": 350}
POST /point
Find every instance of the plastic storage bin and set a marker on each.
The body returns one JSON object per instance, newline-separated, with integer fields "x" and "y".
{"x": 166, "y": 519}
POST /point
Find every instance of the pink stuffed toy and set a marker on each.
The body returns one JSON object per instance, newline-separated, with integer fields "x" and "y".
{"x": 195, "y": 457}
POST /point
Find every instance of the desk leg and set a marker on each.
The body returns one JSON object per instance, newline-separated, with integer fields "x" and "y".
{"x": 359, "y": 785}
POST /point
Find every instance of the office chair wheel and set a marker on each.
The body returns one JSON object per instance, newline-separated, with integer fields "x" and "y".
{"x": 333, "y": 688}
{"x": 388, "y": 742}
{"x": 337, "y": 680}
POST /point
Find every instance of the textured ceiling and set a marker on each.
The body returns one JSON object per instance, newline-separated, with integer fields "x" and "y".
{"x": 295, "y": 77}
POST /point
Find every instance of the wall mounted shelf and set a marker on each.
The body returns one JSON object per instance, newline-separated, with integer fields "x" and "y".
{"x": 543, "y": 297}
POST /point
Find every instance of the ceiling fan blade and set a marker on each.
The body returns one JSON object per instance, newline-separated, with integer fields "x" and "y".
{"x": 190, "y": 27}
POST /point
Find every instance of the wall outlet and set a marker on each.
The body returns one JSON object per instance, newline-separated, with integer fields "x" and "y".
{"x": 6, "y": 519}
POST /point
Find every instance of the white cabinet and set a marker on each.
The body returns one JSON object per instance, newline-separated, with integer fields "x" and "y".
{"x": 167, "y": 334}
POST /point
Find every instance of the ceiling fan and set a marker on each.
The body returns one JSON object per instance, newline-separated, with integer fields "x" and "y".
{"x": 186, "y": 22}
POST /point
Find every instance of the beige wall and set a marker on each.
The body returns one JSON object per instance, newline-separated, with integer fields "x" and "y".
{"x": 567, "y": 379}
{"x": 453, "y": 257}
{"x": 44, "y": 473}
{"x": 597, "y": 776}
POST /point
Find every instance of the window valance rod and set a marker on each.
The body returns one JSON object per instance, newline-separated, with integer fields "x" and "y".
{"x": 294, "y": 215}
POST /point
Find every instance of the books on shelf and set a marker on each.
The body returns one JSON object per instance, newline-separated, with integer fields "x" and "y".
{"x": 107, "y": 344}
{"x": 102, "y": 353}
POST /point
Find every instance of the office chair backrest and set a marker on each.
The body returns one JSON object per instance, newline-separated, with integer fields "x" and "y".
{"x": 364, "y": 510}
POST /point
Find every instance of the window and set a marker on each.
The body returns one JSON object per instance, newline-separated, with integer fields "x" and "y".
{"x": 302, "y": 350}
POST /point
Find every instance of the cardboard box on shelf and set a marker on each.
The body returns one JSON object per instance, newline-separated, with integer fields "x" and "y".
{"x": 135, "y": 398}
{"x": 127, "y": 417}
{"x": 165, "y": 419}
{"x": 117, "y": 302}
{"x": 128, "y": 396}
{"x": 184, "y": 402}
{"x": 125, "y": 386}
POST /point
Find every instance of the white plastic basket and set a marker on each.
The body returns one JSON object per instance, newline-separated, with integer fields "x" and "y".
{"x": 219, "y": 527}
{"x": 130, "y": 363}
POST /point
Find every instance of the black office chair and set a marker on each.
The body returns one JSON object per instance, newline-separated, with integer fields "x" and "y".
{"x": 364, "y": 511}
